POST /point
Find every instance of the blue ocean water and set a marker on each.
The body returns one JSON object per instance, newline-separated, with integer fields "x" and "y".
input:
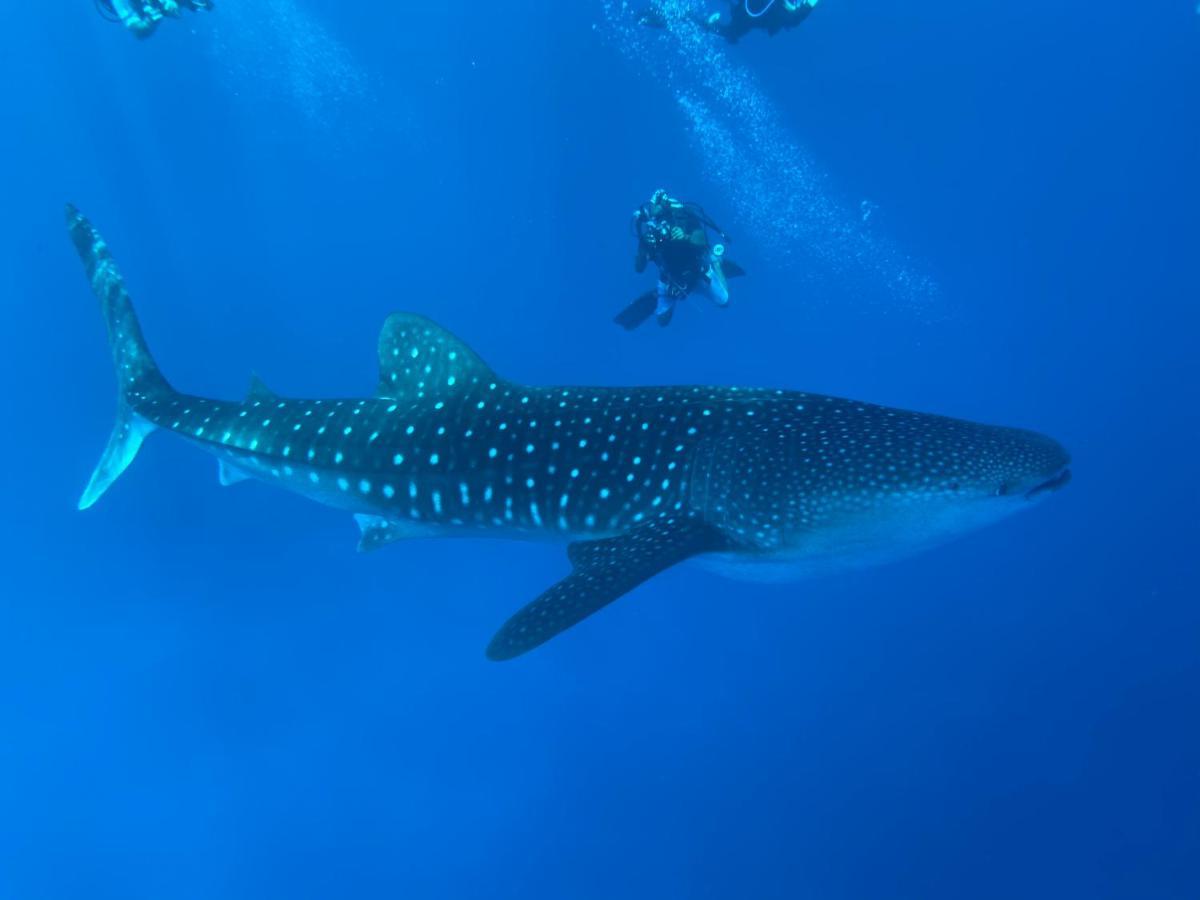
{"x": 984, "y": 211}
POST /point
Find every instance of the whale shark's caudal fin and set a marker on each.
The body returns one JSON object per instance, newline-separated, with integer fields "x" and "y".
{"x": 139, "y": 382}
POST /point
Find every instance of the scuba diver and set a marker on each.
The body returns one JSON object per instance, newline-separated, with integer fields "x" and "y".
{"x": 142, "y": 16}
{"x": 744, "y": 16}
{"x": 771, "y": 16}
{"x": 675, "y": 237}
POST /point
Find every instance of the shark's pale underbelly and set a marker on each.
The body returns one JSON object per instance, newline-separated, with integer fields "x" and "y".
{"x": 868, "y": 539}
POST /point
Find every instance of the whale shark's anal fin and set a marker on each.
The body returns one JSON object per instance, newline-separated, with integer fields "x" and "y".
{"x": 604, "y": 570}
{"x": 228, "y": 473}
{"x": 379, "y": 532}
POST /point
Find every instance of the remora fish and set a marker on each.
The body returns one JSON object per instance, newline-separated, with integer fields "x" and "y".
{"x": 769, "y": 482}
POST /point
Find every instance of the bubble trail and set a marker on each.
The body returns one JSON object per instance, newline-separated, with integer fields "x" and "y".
{"x": 778, "y": 191}
{"x": 274, "y": 50}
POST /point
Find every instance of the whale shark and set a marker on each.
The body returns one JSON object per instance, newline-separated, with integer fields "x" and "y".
{"x": 760, "y": 483}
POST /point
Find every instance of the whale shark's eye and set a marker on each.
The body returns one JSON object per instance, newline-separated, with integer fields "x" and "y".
{"x": 1002, "y": 490}
{"x": 954, "y": 485}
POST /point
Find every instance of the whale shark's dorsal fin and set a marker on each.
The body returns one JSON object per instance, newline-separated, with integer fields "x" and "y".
{"x": 260, "y": 392}
{"x": 603, "y": 571}
{"x": 418, "y": 358}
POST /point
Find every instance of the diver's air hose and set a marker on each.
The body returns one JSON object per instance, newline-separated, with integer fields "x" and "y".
{"x": 762, "y": 12}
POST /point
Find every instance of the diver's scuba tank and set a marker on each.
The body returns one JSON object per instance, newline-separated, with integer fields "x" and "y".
{"x": 717, "y": 274}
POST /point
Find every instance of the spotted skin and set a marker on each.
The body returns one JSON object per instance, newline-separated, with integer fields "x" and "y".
{"x": 637, "y": 479}
{"x": 603, "y": 570}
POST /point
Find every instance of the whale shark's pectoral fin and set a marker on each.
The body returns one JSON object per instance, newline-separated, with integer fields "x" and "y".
{"x": 228, "y": 474}
{"x": 604, "y": 570}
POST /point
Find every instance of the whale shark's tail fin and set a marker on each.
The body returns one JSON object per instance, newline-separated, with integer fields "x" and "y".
{"x": 139, "y": 383}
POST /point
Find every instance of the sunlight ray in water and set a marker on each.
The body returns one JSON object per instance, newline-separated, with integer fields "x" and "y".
{"x": 779, "y": 192}
{"x": 275, "y": 50}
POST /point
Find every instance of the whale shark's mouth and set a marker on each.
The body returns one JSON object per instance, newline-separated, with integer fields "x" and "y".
{"x": 1052, "y": 484}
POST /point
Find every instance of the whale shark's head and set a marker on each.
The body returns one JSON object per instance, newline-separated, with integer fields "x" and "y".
{"x": 962, "y": 476}
{"x": 979, "y": 475}
{"x": 867, "y": 484}
{"x": 995, "y": 466}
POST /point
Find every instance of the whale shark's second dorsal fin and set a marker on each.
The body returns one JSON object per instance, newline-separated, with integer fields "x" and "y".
{"x": 260, "y": 392}
{"x": 419, "y": 358}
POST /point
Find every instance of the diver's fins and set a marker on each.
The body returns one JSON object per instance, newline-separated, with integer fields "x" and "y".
{"x": 638, "y": 311}
{"x": 732, "y": 269}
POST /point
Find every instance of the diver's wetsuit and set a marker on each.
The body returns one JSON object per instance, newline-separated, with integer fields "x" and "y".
{"x": 142, "y": 16}
{"x": 674, "y": 236}
{"x": 685, "y": 266}
{"x": 772, "y": 16}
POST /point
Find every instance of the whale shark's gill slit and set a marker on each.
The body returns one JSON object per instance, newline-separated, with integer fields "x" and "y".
{"x": 603, "y": 571}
